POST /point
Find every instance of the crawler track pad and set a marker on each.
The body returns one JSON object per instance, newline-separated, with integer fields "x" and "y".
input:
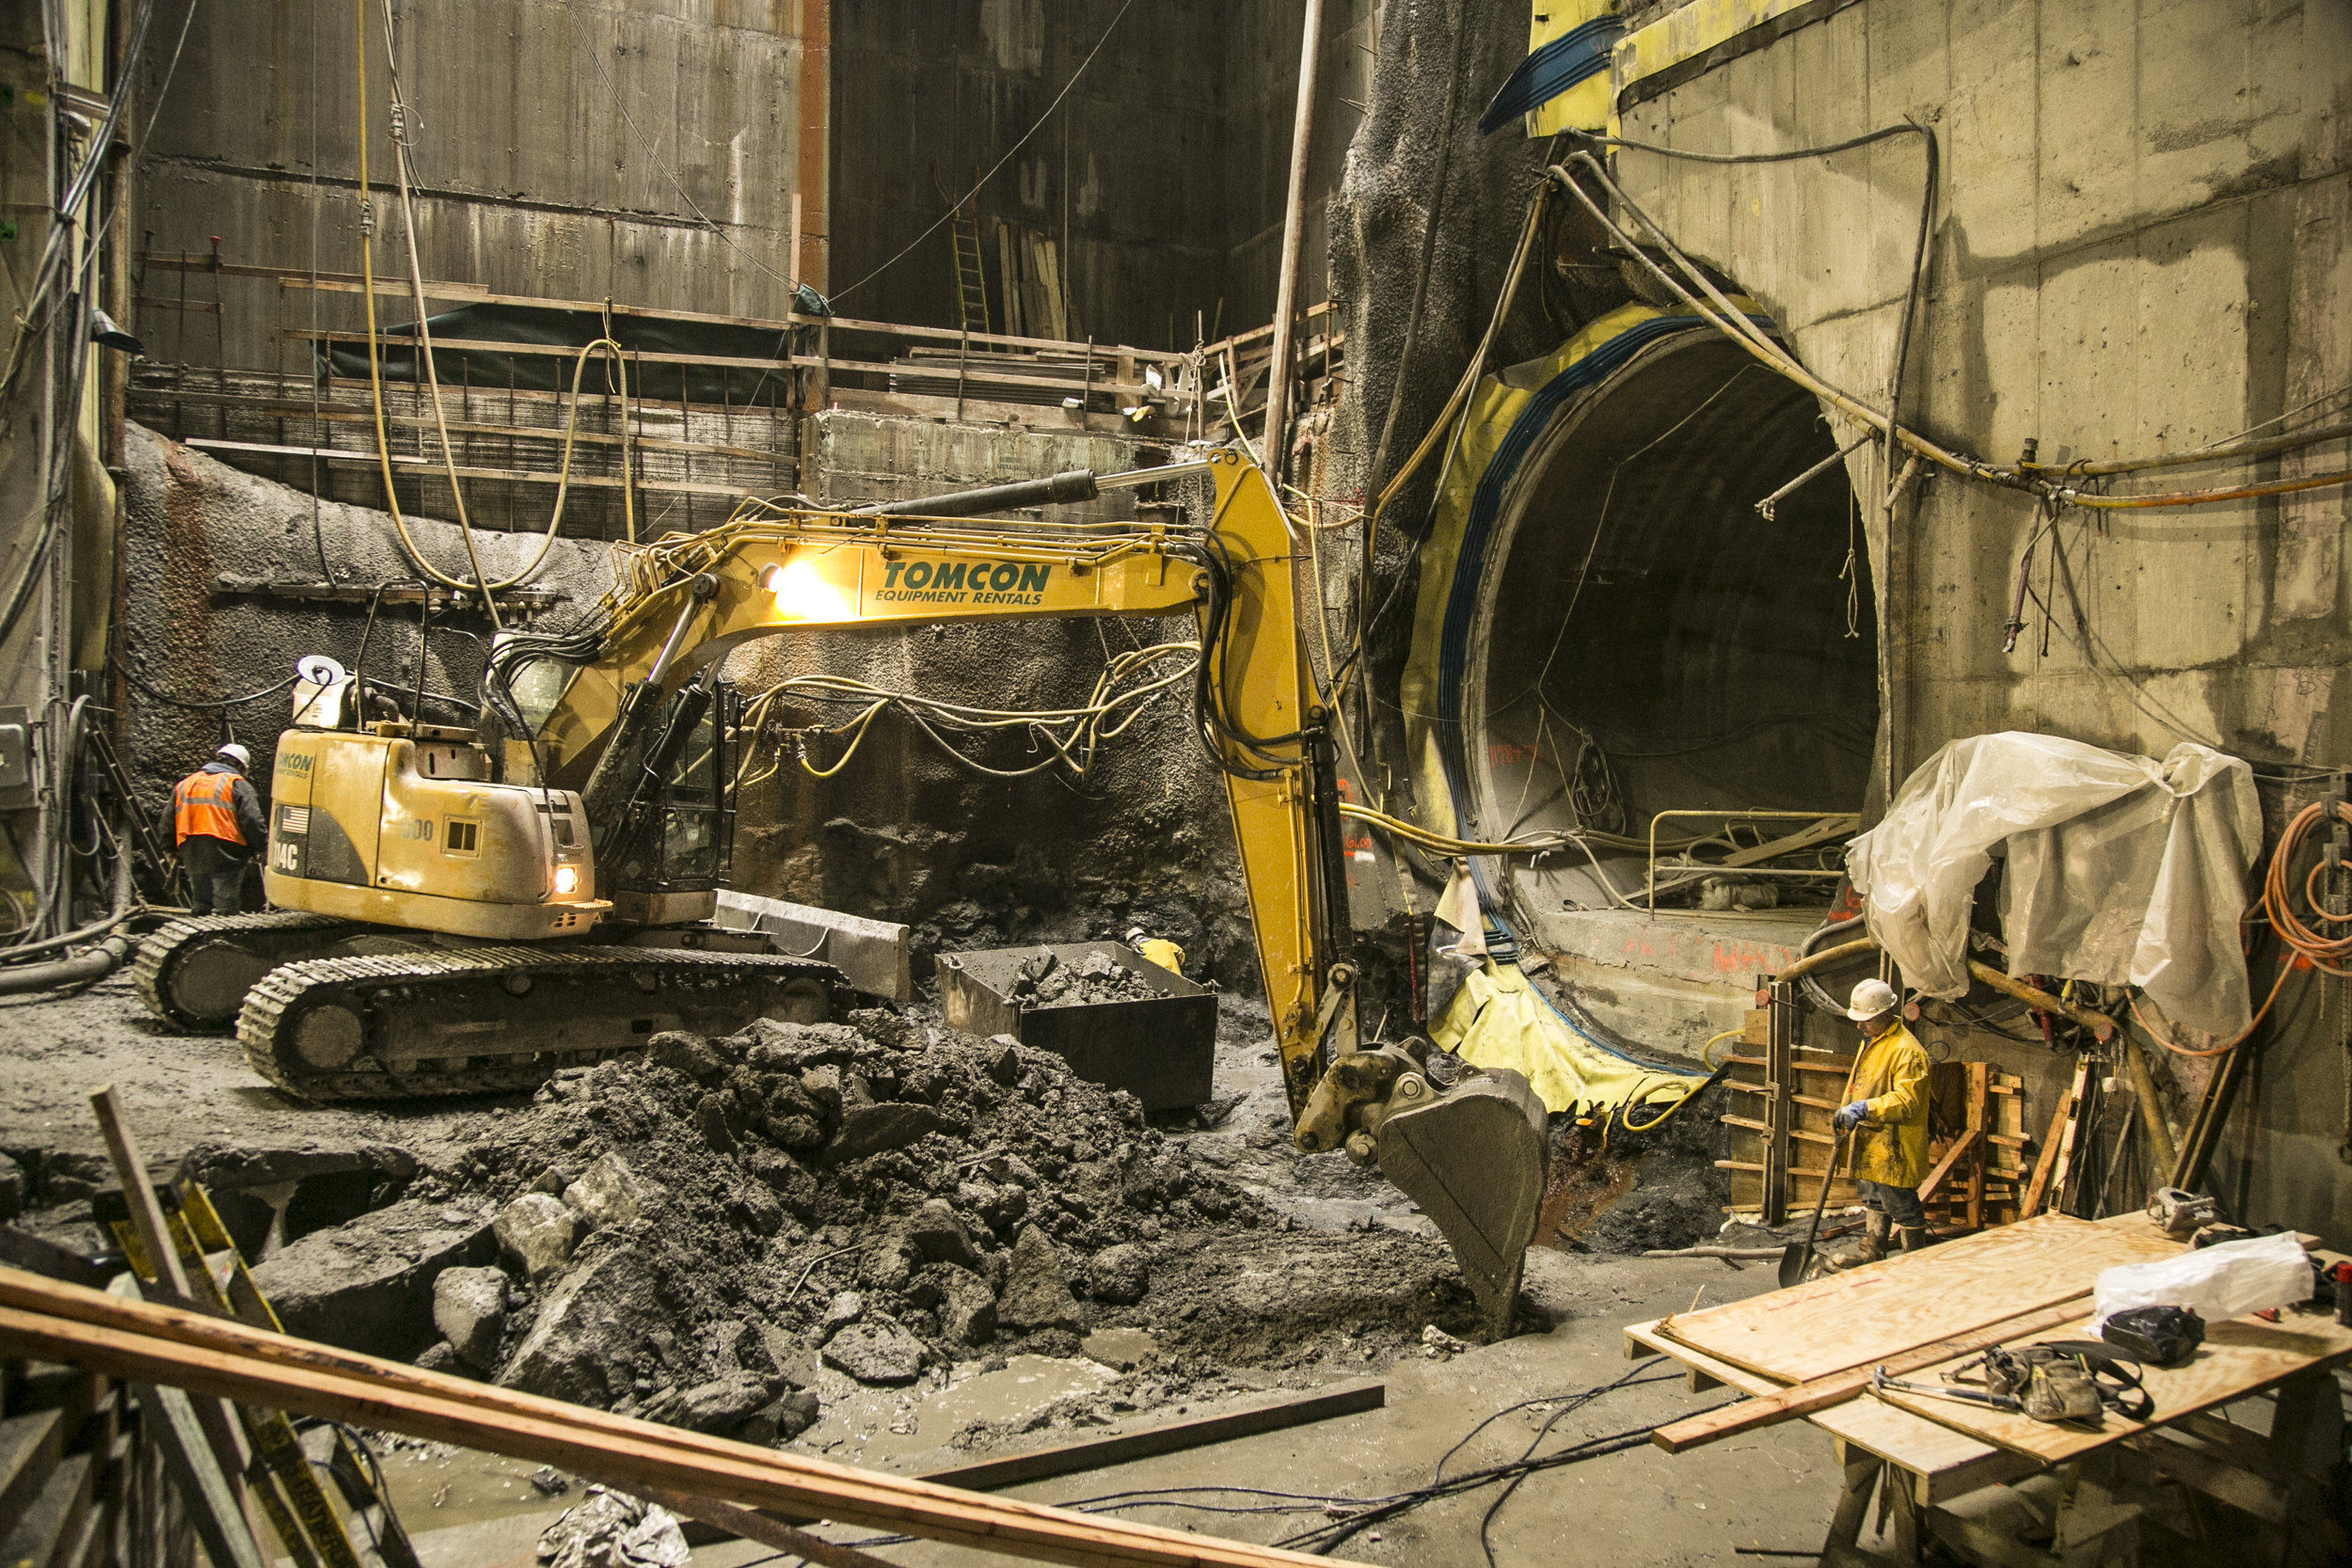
{"x": 1473, "y": 1160}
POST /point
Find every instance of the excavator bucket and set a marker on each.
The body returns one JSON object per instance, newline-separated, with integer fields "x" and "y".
{"x": 1473, "y": 1160}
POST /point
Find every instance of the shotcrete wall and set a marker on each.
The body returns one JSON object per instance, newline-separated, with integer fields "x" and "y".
{"x": 901, "y": 834}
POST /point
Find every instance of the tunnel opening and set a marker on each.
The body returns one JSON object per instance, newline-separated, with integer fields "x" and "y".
{"x": 1647, "y": 643}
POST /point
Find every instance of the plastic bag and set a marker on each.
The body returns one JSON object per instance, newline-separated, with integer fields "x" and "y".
{"x": 2121, "y": 869}
{"x": 2215, "y": 1282}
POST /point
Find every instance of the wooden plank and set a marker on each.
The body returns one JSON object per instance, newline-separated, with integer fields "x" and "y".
{"x": 39, "y": 1537}
{"x": 1944, "y": 1168}
{"x": 30, "y": 1446}
{"x": 1860, "y": 1316}
{"x": 1941, "y": 1463}
{"x": 2061, "y": 1119}
{"x": 317, "y": 1380}
{"x": 1819, "y": 1393}
{"x": 1174, "y": 1437}
{"x": 1980, "y": 1092}
{"x": 729, "y": 1523}
{"x": 2240, "y": 1356}
{"x": 169, "y": 1416}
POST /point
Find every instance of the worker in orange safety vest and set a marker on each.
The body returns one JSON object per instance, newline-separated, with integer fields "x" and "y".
{"x": 215, "y": 821}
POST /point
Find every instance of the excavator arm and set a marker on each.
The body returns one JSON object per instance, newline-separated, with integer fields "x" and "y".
{"x": 1470, "y": 1153}
{"x": 683, "y": 607}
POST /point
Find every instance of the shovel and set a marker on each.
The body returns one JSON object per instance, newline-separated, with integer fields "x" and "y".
{"x": 1798, "y": 1255}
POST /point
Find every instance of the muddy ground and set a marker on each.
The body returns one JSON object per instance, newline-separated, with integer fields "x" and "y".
{"x": 917, "y": 1241}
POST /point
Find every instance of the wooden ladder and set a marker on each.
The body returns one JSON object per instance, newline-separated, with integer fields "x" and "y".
{"x": 971, "y": 280}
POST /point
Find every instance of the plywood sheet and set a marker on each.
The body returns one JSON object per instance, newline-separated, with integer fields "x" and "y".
{"x": 1867, "y": 1315}
{"x": 2238, "y": 1357}
{"x": 1927, "y": 1449}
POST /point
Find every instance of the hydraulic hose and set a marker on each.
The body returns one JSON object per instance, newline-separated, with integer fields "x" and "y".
{"x": 96, "y": 964}
{"x": 1810, "y": 958}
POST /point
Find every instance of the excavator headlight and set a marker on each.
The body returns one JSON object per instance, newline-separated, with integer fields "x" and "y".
{"x": 802, "y": 592}
{"x": 567, "y": 879}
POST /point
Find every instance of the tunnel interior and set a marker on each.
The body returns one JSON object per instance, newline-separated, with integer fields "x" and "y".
{"x": 1648, "y": 643}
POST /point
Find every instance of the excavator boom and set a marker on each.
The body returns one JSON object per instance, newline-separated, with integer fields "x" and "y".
{"x": 574, "y": 815}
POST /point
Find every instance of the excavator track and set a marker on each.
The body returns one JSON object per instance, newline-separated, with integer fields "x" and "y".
{"x": 195, "y": 972}
{"x": 495, "y": 1020}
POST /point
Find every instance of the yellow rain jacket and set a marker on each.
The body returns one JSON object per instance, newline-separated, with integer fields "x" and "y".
{"x": 1891, "y": 1075}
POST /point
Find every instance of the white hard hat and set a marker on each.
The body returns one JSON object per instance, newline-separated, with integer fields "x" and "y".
{"x": 236, "y": 753}
{"x": 1869, "y": 999}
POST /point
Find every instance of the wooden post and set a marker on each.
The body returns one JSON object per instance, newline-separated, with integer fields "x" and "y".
{"x": 1980, "y": 1093}
{"x": 1780, "y": 1091}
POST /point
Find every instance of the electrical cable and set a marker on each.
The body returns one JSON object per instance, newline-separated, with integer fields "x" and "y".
{"x": 1720, "y": 313}
{"x": 170, "y": 701}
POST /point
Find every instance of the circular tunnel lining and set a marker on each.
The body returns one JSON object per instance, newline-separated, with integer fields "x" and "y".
{"x": 1645, "y": 641}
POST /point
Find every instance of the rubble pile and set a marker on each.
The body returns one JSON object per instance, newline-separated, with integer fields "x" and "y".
{"x": 1045, "y": 981}
{"x": 686, "y": 1235}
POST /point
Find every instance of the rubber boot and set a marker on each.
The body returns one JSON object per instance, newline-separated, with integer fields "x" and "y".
{"x": 1912, "y": 1237}
{"x": 1876, "y": 1230}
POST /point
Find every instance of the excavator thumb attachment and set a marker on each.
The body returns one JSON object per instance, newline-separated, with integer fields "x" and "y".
{"x": 1472, "y": 1158}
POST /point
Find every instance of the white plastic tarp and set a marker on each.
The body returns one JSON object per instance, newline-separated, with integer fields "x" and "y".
{"x": 2121, "y": 869}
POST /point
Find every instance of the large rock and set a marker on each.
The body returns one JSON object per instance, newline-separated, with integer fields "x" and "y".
{"x": 1036, "y": 1293}
{"x": 470, "y": 1310}
{"x": 875, "y": 1351}
{"x": 607, "y": 1192}
{"x": 535, "y": 1235}
{"x": 368, "y": 1285}
{"x": 1120, "y": 1274}
{"x": 967, "y": 1309}
{"x": 779, "y": 1420}
{"x": 871, "y": 1128}
{"x": 717, "y": 1405}
{"x": 940, "y": 1237}
{"x": 595, "y": 1323}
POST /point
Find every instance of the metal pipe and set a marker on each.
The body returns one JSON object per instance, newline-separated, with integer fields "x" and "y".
{"x": 2162, "y": 1154}
{"x": 1134, "y": 479}
{"x": 2099, "y": 1024}
{"x": 1078, "y": 484}
{"x": 1826, "y": 957}
{"x": 1293, "y": 233}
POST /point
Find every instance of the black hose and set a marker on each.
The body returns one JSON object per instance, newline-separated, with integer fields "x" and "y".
{"x": 1812, "y": 990}
{"x": 96, "y": 964}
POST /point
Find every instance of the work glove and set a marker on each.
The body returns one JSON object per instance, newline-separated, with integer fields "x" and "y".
{"x": 1851, "y": 1117}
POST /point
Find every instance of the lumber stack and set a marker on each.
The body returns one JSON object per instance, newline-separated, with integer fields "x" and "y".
{"x": 81, "y": 1480}
{"x": 141, "y": 1342}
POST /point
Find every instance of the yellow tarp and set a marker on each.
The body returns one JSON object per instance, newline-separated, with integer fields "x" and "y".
{"x": 1498, "y": 1021}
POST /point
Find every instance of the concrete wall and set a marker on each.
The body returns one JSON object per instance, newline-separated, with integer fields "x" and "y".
{"x": 2140, "y": 247}
{"x": 569, "y": 151}
{"x": 1162, "y": 176}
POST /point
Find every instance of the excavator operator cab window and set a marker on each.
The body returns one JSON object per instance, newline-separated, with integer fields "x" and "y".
{"x": 697, "y": 810}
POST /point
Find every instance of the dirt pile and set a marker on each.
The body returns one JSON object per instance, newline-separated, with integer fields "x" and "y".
{"x": 1045, "y": 981}
{"x": 690, "y": 1235}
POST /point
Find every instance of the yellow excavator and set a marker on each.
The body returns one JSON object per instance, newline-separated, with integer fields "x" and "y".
{"x": 472, "y": 911}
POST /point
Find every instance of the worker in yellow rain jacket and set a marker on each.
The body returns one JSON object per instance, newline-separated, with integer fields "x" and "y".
{"x": 215, "y": 821}
{"x": 1887, "y": 1112}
